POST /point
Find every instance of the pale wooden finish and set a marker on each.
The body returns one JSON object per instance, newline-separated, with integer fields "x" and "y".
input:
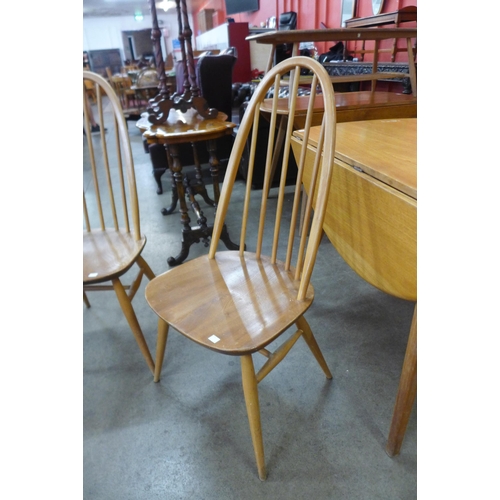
{"x": 248, "y": 298}
{"x": 372, "y": 221}
{"x": 253, "y": 410}
{"x": 383, "y": 149}
{"x": 372, "y": 214}
{"x": 271, "y": 306}
{"x": 112, "y": 238}
{"x": 350, "y": 106}
{"x": 295, "y": 37}
{"x": 123, "y": 87}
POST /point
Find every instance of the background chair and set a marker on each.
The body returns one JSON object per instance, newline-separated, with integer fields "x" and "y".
{"x": 215, "y": 78}
{"x": 112, "y": 239}
{"x": 238, "y": 302}
{"x": 287, "y": 21}
{"x": 122, "y": 85}
{"x": 90, "y": 88}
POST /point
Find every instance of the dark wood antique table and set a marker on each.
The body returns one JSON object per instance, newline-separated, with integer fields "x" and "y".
{"x": 190, "y": 128}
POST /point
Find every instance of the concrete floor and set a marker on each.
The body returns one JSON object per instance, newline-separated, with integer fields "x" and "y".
{"x": 187, "y": 437}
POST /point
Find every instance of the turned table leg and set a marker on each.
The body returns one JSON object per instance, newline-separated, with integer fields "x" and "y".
{"x": 175, "y": 196}
{"x": 176, "y": 166}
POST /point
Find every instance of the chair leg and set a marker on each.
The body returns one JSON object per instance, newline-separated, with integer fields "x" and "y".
{"x": 141, "y": 262}
{"x": 253, "y": 410}
{"x": 86, "y": 300}
{"x": 129, "y": 313}
{"x": 303, "y": 325}
{"x": 160, "y": 347}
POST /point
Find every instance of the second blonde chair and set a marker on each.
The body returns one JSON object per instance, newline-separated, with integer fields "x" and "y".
{"x": 112, "y": 238}
{"x": 238, "y": 302}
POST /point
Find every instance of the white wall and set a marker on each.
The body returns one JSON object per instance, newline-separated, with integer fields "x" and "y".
{"x": 106, "y": 32}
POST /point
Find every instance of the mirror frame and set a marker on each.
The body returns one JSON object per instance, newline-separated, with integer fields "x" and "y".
{"x": 345, "y": 11}
{"x": 376, "y": 11}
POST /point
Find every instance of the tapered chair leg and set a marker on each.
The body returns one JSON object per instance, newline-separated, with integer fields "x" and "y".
{"x": 160, "y": 347}
{"x": 253, "y": 410}
{"x": 86, "y": 300}
{"x": 145, "y": 267}
{"x": 129, "y": 313}
{"x": 307, "y": 333}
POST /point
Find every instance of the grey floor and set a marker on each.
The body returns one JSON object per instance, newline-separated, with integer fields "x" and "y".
{"x": 187, "y": 437}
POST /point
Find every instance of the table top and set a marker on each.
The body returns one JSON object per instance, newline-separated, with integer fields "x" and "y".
{"x": 343, "y": 100}
{"x": 335, "y": 34}
{"x": 406, "y": 14}
{"x": 384, "y": 149}
{"x": 185, "y": 127}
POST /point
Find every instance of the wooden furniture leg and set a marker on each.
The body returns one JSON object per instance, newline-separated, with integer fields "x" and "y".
{"x": 145, "y": 268}
{"x": 160, "y": 347}
{"x": 308, "y": 336}
{"x": 129, "y": 313}
{"x": 253, "y": 410}
{"x": 175, "y": 196}
{"x": 202, "y": 232}
{"x": 406, "y": 393}
{"x": 375, "y": 64}
{"x": 411, "y": 66}
{"x": 199, "y": 187}
{"x": 192, "y": 191}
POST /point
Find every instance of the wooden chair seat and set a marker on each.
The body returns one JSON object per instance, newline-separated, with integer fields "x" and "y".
{"x": 222, "y": 286}
{"x": 107, "y": 254}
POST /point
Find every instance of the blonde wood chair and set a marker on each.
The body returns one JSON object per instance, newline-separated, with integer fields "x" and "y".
{"x": 238, "y": 302}
{"x": 122, "y": 85}
{"x": 112, "y": 238}
{"x": 90, "y": 88}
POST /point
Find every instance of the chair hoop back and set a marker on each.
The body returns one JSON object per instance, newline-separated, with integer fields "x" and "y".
{"x": 112, "y": 240}
{"x": 113, "y": 183}
{"x": 285, "y": 75}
